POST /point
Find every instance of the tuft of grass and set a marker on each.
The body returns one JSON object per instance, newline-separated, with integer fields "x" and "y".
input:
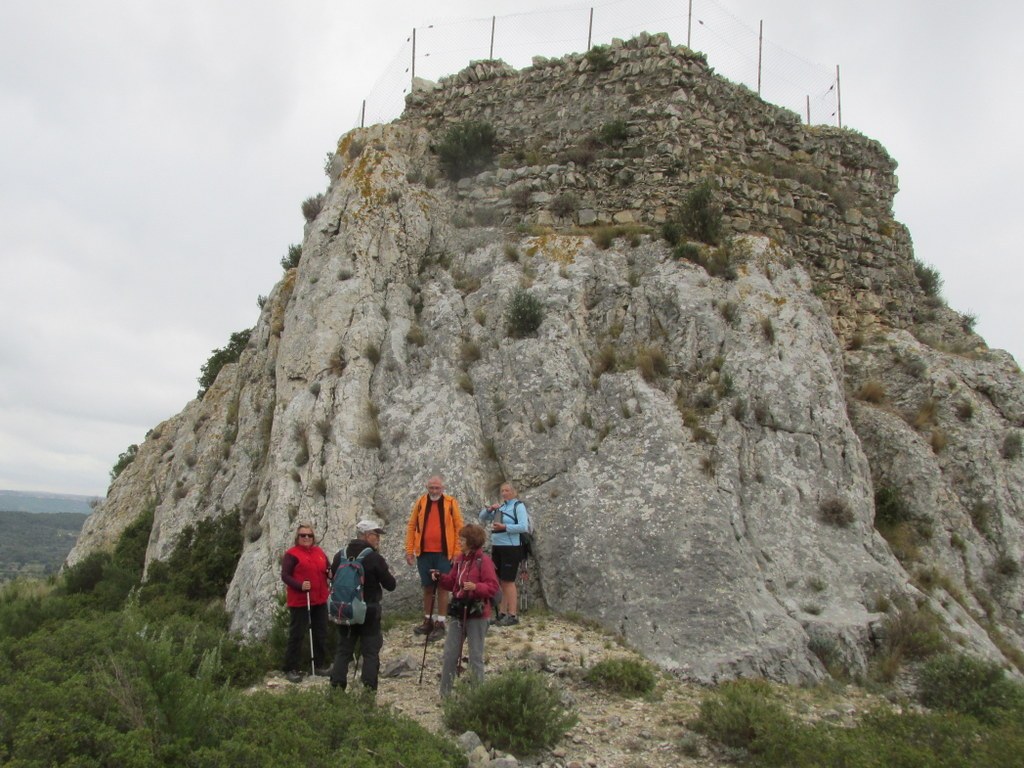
{"x": 469, "y": 352}
{"x": 625, "y": 676}
{"x": 837, "y": 512}
{"x": 415, "y": 335}
{"x": 871, "y": 391}
{"x": 651, "y": 363}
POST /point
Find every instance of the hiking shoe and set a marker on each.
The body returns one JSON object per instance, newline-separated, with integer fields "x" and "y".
{"x": 508, "y": 620}
{"x": 496, "y": 618}
{"x": 424, "y": 628}
{"x": 293, "y": 676}
{"x": 323, "y": 671}
{"x": 436, "y": 633}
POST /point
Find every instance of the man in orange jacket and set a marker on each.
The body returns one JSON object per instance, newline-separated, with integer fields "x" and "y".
{"x": 432, "y": 541}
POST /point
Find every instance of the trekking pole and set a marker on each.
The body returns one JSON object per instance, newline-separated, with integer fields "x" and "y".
{"x": 524, "y": 585}
{"x": 309, "y": 615}
{"x": 462, "y": 641}
{"x": 426, "y": 636}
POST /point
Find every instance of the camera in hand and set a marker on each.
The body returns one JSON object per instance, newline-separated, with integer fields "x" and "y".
{"x": 472, "y": 608}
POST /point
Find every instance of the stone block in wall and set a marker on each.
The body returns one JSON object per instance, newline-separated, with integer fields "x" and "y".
{"x": 587, "y": 216}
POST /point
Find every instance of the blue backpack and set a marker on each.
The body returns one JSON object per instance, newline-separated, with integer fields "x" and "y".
{"x": 345, "y": 605}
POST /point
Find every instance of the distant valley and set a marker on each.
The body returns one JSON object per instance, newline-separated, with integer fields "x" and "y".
{"x": 40, "y": 501}
{"x": 37, "y": 530}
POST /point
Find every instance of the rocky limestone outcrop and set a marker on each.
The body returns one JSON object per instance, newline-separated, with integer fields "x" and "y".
{"x": 700, "y": 455}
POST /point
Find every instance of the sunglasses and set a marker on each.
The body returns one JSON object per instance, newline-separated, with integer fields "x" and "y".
{"x": 306, "y": 536}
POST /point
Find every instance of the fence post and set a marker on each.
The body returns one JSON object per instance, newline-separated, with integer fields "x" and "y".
{"x": 590, "y": 29}
{"x": 839, "y": 98}
{"x": 362, "y": 116}
{"x": 491, "y": 54}
{"x": 689, "y": 24}
{"x": 808, "y": 109}
{"x": 760, "y": 48}
{"x": 413, "y": 58}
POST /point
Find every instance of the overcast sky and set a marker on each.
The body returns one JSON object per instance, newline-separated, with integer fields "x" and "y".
{"x": 154, "y": 155}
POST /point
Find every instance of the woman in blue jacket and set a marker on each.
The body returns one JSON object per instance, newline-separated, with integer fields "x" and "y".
{"x": 508, "y": 520}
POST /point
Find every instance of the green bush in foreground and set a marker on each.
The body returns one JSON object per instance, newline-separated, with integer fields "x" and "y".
{"x": 971, "y": 687}
{"x": 628, "y": 677}
{"x": 516, "y": 711}
{"x": 748, "y": 715}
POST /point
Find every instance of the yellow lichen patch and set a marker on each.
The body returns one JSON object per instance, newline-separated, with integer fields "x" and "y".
{"x": 555, "y": 247}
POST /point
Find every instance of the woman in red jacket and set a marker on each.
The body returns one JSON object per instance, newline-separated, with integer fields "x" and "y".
{"x": 305, "y": 572}
{"x": 472, "y": 582}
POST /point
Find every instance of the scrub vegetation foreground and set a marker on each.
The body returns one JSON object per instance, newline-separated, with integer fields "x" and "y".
{"x": 98, "y": 669}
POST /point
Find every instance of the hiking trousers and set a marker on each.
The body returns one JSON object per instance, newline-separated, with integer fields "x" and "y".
{"x": 370, "y": 639}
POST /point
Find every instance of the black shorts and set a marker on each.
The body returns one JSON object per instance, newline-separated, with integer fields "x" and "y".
{"x": 506, "y": 562}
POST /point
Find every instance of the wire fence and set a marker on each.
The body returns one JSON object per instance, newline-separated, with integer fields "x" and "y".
{"x": 734, "y": 49}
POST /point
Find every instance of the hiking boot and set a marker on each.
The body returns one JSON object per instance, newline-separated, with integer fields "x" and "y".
{"x": 496, "y": 618}
{"x": 323, "y": 671}
{"x": 437, "y": 633}
{"x": 424, "y": 628}
{"x": 508, "y": 620}
{"x": 293, "y": 676}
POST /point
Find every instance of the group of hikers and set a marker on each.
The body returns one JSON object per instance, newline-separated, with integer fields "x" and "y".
{"x": 465, "y": 589}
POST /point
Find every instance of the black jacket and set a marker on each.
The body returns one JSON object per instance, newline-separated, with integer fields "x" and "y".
{"x": 375, "y": 570}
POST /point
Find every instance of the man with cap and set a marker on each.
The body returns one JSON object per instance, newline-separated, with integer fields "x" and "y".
{"x": 376, "y": 576}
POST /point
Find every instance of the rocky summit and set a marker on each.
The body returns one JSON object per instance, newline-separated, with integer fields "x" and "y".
{"x": 711, "y": 437}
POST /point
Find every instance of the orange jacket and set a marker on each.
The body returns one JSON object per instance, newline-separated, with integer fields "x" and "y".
{"x": 452, "y": 524}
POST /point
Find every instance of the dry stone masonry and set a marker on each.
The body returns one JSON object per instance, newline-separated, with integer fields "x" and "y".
{"x": 702, "y": 456}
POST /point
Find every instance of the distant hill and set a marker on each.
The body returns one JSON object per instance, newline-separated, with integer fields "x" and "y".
{"x": 35, "y": 545}
{"x": 39, "y": 501}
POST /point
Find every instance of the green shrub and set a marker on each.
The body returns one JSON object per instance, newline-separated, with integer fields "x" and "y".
{"x": 744, "y": 715}
{"x": 890, "y": 508}
{"x": 701, "y": 216}
{"x": 203, "y": 561}
{"x": 291, "y": 259}
{"x": 221, "y": 357}
{"x": 928, "y": 278}
{"x": 600, "y": 59}
{"x": 614, "y": 133}
{"x": 688, "y": 252}
{"x": 126, "y": 458}
{"x": 628, "y": 677}
{"x": 466, "y": 149}
{"x": 516, "y": 711}
{"x": 564, "y": 204}
{"x": 312, "y": 206}
{"x": 971, "y": 687}
{"x": 672, "y": 232}
{"x": 524, "y": 315}
{"x": 1011, "y": 446}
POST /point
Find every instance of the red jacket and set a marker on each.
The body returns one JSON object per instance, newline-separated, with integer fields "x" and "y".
{"x": 478, "y": 568}
{"x": 305, "y": 564}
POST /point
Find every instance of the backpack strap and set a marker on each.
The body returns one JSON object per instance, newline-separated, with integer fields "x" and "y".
{"x": 361, "y": 555}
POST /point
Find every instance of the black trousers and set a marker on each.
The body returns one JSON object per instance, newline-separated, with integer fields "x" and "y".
{"x": 370, "y": 639}
{"x": 298, "y": 636}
